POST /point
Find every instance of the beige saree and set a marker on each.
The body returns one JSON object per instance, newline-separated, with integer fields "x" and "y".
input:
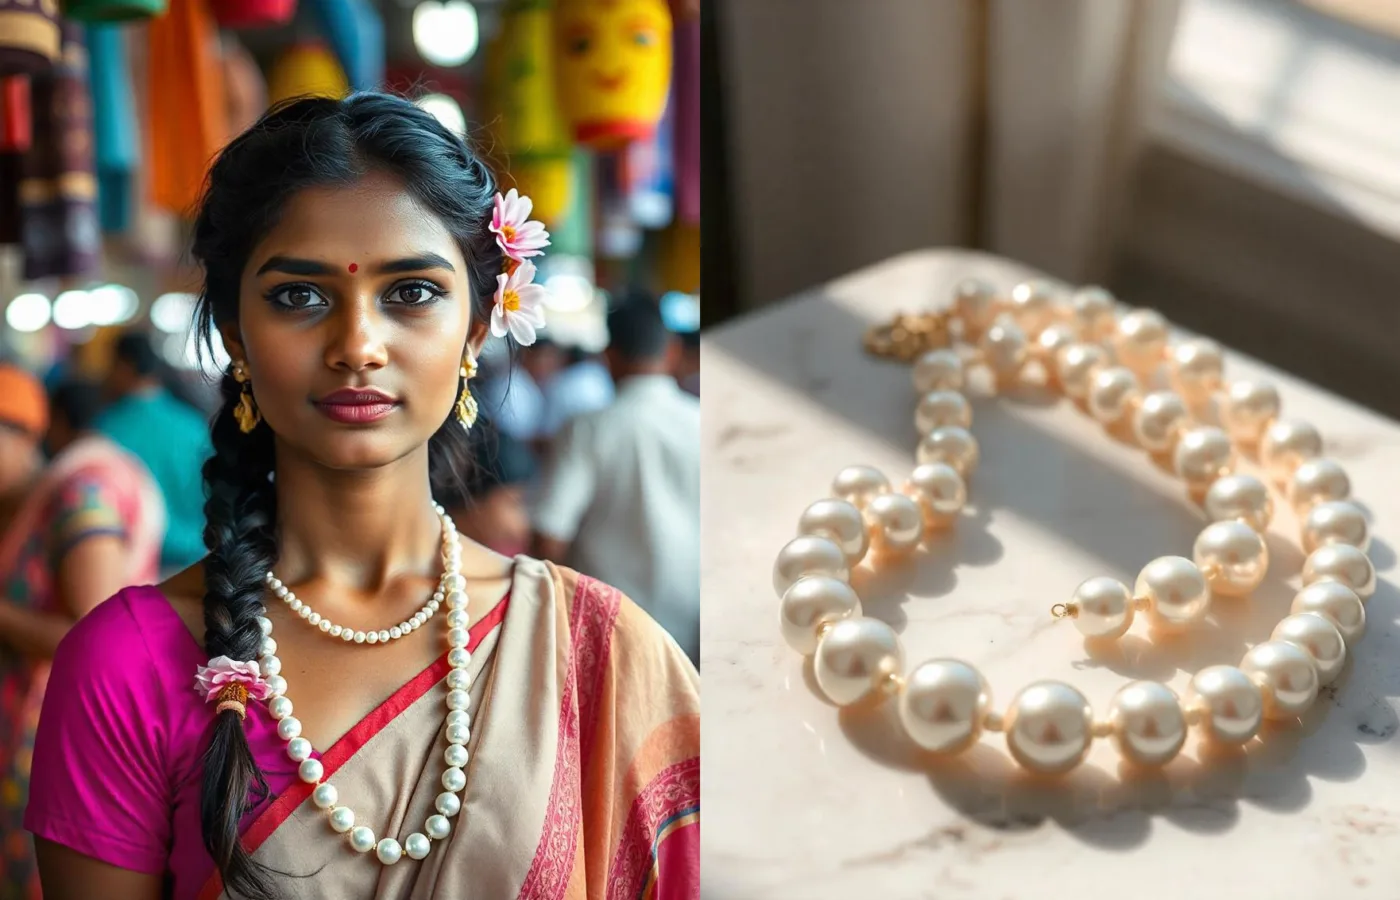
{"x": 584, "y": 771}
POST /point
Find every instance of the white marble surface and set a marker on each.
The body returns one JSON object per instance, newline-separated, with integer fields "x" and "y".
{"x": 805, "y": 801}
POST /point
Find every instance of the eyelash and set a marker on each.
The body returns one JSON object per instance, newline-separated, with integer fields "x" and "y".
{"x": 277, "y": 295}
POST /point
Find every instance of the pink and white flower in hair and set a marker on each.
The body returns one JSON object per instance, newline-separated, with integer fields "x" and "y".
{"x": 519, "y": 307}
{"x": 222, "y": 671}
{"x": 519, "y": 236}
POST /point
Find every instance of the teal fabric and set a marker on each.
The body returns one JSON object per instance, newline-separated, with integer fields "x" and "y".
{"x": 172, "y": 439}
{"x": 113, "y": 124}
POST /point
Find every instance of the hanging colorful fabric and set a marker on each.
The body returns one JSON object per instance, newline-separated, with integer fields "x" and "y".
{"x": 648, "y": 171}
{"x": 306, "y": 69}
{"x": 112, "y": 10}
{"x": 613, "y": 65}
{"x": 253, "y": 13}
{"x": 114, "y": 125}
{"x": 186, "y": 118}
{"x": 29, "y": 36}
{"x": 16, "y": 137}
{"x": 685, "y": 98}
{"x": 356, "y": 35}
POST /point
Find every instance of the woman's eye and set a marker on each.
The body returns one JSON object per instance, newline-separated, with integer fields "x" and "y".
{"x": 414, "y": 294}
{"x": 297, "y": 296}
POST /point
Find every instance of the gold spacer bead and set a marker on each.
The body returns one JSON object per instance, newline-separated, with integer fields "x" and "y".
{"x": 993, "y": 721}
{"x": 1102, "y": 728}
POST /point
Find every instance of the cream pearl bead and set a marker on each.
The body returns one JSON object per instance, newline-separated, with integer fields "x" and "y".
{"x": 362, "y": 838}
{"x": 811, "y": 602}
{"x": 455, "y": 756}
{"x": 310, "y": 771}
{"x": 1336, "y": 522}
{"x": 325, "y": 796}
{"x": 453, "y": 779}
{"x": 858, "y": 485}
{"x": 1319, "y": 638}
{"x": 1050, "y": 342}
{"x": 808, "y": 555}
{"x": 1175, "y": 590}
{"x": 1247, "y": 408}
{"x": 1005, "y": 348}
{"x": 896, "y": 524}
{"x": 342, "y": 819}
{"x": 1113, "y": 392}
{"x": 975, "y": 304}
{"x": 1233, "y": 557}
{"x": 1231, "y": 703}
{"x": 1285, "y": 445}
{"x": 459, "y": 680}
{"x": 1286, "y": 676}
{"x": 942, "y": 705}
{"x": 388, "y": 851}
{"x": 952, "y": 445}
{"x": 1196, "y": 368}
{"x": 1102, "y": 608}
{"x": 1317, "y": 481}
{"x": 840, "y": 522}
{"x": 1159, "y": 420}
{"x": 279, "y": 707}
{"x": 1147, "y": 723}
{"x": 939, "y": 408}
{"x": 1202, "y": 455}
{"x": 438, "y": 827}
{"x": 1341, "y": 562}
{"x": 938, "y": 370}
{"x": 289, "y": 728}
{"x": 1075, "y": 366}
{"x": 940, "y": 491}
{"x": 1241, "y": 497}
{"x": 417, "y": 845}
{"x": 855, "y": 657}
{"x": 1032, "y": 305}
{"x": 1141, "y": 340}
{"x": 1048, "y": 727}
{"x": 298, "y": 748}
{"x": 448, "y": 804}
{"x": 1094, "y": 312}
{"x": 1336, "y": 603}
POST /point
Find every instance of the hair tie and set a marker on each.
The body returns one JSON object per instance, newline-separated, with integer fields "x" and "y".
{"x": 230, "y": 683}
{"x": 235, "y": 697}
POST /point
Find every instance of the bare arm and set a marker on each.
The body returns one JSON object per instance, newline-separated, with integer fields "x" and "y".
{"x": 68, "y": 875}
{"x": 90, "y": 572}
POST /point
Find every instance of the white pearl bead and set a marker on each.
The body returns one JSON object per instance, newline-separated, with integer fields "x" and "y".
{"x": 1048, "y": 345}
{"x": 296, "y": 605}
{"x": 942, "y": 705}
{"x": 389, "y": 851}
{"x": 1159, "y": 421}
{"x": 975, "y": 304}
{"x": 858, "y": 485}
{"x": 454, "y": 582}
{"x": 456, "y": 619}
{"x": 1075, "y": 366}
{"x": 269, "y": 666}
{"x": 812, "y": 602}
{"x": 1285, "y": 446}
{"x": 458, "y": 700}
{"x": 1005, "y": 348}
{"x": 940, "y": 492}
{"x": 840, "y": 522}
{"x": 459, "y": 680}
{"x": 1141, "y": 340}
{"x": 1032, "y": 305}
{"x": 1102, "y": 608}
{"x": 305, "y": 611}
{"x": 437, "y": 827}
{"x": 456, "y": 600}
{"x": 1147, "y": 723}
{"x": 1344, "y": 563}
{"x": 1176, "y": 590}
{"x": 310, "y": 770}
{"x": 454, "y": 779}
{"x": 448, "y": 803}
{"x": 459, "y": 657}
{"x": 457, "y": 637}
{"x": 396, "y": 632}
{"x": 325, "y": 795}
{"x": 938, "y": 370}
{"x": 362, "y": 839}
{"x": 1286, "y": 675}
{"x": 1336, "y": 603}
{"x": 433, "y": 606}
{"x": 384, "y": 636}
{"x": 1242, "y": 497}
{"x": 939, "y": 408}
{"x": 459, "y": 717}
{"x": 289, "y": 728}
{"x": 279, "y": 707}
{"x": 897, "y": 524}
{"x": 265, "y": 625}
{"x": 808, "y": 555}
{"x": 456, "y": 755}
{"x": 1317, "y": 481}
{"x": 1247, "y": 408}
{"x": 419, "y": 619}
{"x": 1233, "y": 557}
{"x": 1319, "y": 638}
{"x": 1203, "y": 455}
{"x": 1094, "y": 312}
{"x": 361, "y": 637}
{"x": 298, "y": 749}
{"x": 267, "y": 648}
{"x": 342, "y": 819}
{"x": 277, "y": 685}
{"x": 952, "y": 445}
{"x": 348, "y": 636}
{"x": 855, "y": 657}
{"x": 1336, "y": 522}
{"x": 1048, "y": 727}
{"x": 336, "y": 631}
{"x": 1231, "y": 703}
{"x": 1113, "y": 393}
{"x": 417, "y": 845}
{"x": 314, "y": 618}
{"x": 1196, "y": 368}
{"x": 458, "y": 733}
{"x": 371, "y": 637}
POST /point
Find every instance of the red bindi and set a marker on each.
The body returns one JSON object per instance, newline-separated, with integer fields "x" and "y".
{"x": 354, "y": 267}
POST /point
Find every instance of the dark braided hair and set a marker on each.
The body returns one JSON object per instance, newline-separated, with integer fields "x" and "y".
{"x": 296, "y": 145}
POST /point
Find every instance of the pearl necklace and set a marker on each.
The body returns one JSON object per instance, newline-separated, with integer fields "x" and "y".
{"x": 1100, "y": 361}
{"x": 459, "y": 682}
{"x": 383, "y": 636}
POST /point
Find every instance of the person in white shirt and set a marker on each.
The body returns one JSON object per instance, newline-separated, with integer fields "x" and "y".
{"x": 620, "y": 495}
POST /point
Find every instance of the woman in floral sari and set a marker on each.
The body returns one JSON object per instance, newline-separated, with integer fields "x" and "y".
{"x": 356, "y": 258}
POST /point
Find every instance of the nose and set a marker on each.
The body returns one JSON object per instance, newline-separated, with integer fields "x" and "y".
{"x": 356, "y": 341}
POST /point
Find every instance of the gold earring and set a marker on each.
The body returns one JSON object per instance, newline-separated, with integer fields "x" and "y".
{"x": 247, "y": 410}
{"x": 466, "y": 403}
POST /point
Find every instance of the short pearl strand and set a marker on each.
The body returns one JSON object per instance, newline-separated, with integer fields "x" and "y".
{"x": 459, "y": 681}
{"x": 945, "y": 704}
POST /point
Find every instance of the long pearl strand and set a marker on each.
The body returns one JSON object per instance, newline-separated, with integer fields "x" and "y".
{"x": 459, "y": 700}
{"x": 1101, "y": 361}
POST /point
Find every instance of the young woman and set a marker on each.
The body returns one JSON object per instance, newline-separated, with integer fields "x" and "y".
{"x": 465, "y": 725}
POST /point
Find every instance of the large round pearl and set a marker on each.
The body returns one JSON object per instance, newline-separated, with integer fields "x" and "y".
{"x": 1141, "y": 340}
{"x": 1094, "y": 312}
{"x": 437, "y": 827}
{"x": 389, "y": 851}
{"x": 897, "y": 524}
{"x": 1196, "y": 368}
{"x": 458, "y": 732}
{"x": 455, "y": 755}
{"x": 943, "y": 704}
{"x": 325, "y": 796}
{"x": 1241, "y": 497}
{"x": 1005, "y": 348}
{"x": 1113, "y": 391}
{"x": 1232, "y": 705}
{"x": 310, "y": 771}
{"x": 1148, "y": 724}
{"x": 270, "y": 665}
{"x": 1233, "y": 557}
{"x": 1336, "y": 603}
{"x": 448, "y": 803}
{"x": 1317, "y": 481}
{"x": 1203, "y": 455}
{"x": 362, "y": 838}
{"x": 1284, "y": 447}
{"x": 1159, "y": 420}
{"x": 855, "y": 657}
{"x": 1344, "y": 563}
{"x": 939, "y": 408}
{"x": 1336, "y": 522}
{"x": 940, "y": 491}
{"x": 857, "y": 485}
{"x": 1102, "y": 607}
{"x": 1319, "y": 638}
{"x": 838, "y": 521}
{"x": 1175, "y": 588}
{"x": 289, "y": 728}
{"x": 812, "y": 602}
{"x": 1287, "y": 676}
{"x": 459, "y": 680}
{"x": 459, "y": 699}
{"x": 1049, "y": 727}
{"x": 298, "y": 748}
{"x": 938, "y": 370}
{"x": 280, "y": 707}
{"x": 1033, "y": 305}
{"x": 417, "y": 845}
{"x": 808, "y": 555}
{"x": 952, "y": 445}
{"x": 1075, "y": 365}
{"x": 1050, "y": 342}
{"x": 1247, "y": 408}
{"x": 453, "y": 779}
{"x": 342, "y": 819}
{"x": 975, "y": 302}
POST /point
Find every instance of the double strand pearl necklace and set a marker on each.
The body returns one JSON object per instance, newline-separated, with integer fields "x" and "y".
{"x": 459, "y": 700}
{"x": 1102, "y": 362}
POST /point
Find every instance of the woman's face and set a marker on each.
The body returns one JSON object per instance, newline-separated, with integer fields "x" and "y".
{"x": 354, "y": 311}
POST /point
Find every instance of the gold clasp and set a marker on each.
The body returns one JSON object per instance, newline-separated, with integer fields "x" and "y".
{"x": 907, "y": 336}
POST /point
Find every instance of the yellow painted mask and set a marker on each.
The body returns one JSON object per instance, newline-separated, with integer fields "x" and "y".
{"x": 613, "y": 67}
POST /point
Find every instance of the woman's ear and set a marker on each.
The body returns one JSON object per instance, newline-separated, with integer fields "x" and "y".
{"x": 476, "y": 337}
{"x": 233, "y": 341}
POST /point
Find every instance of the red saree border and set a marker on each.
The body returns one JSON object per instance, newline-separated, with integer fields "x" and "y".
{"x": 354, "y": 740}
{"x": 675, "y": 790}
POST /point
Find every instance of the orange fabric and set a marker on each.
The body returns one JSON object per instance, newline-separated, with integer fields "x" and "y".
{"x": 188, "y": 119}
{"x": 23, "y": 402}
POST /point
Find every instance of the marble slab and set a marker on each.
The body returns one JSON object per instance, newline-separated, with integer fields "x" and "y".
{"x": 806, "y": 801}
